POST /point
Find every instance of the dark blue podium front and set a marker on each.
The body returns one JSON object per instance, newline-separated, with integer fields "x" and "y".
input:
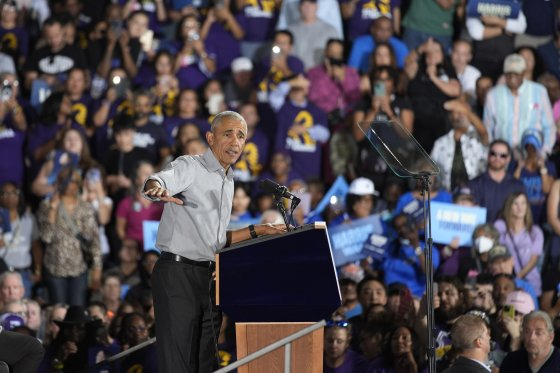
{"x": 286, "y": 278}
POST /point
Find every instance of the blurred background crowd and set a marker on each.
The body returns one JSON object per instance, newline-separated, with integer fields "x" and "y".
{"x": 97, "y": 95}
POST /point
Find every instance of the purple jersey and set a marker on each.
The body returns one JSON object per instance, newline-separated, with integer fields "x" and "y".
{"x": 303, "y": 149}
{"x": 103, "y": 135}
{"x": 254, "y": 157}
{"x": 14, "y": 42}
{"x": 226, "y": 47}
{"x": 39, "y": 135}
{"x": 172, "y": 124}
{"x": 269, "y": 77}
{"x": 259, "y": 19}
{"x": 11, "y": 152}
{"x": 81, "y": 110}
{"x": 366, "y": 12}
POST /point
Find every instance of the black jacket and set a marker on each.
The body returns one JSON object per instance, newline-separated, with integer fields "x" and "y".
{"x": 464, "y": 365}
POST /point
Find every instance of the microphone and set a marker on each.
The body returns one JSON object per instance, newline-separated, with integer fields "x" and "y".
{"x": 270, "y": 186}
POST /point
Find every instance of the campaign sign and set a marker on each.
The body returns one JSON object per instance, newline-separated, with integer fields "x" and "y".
{"x": 450, "y": 221}
{"x": 149, "y": 233}
{"x": 347, "y": 240}
{"x": 497, "y": 8}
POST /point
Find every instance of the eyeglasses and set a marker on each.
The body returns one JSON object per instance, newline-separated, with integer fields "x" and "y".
{"x": 340, "y": 323}
{"x": 14, "y": 193}
{"x": 496, "y": 154}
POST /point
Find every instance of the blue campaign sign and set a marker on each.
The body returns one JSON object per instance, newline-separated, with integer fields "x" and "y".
{"x": 347, "y": 240}
{"x": 149, "y": 233}
{"x": 450, "y": 221}
{"x": 498, "y": 8}
{"x": 337, "y": 192}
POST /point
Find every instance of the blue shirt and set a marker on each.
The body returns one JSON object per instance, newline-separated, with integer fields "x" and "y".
{"x": 507, "y": 116}
{"x": 363, "y": 47}
{"x": 401, "y": 264}
{"x": 493, "y": 195}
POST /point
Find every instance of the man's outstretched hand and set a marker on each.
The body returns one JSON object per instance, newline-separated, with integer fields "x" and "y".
{"x": 157, "y": 191}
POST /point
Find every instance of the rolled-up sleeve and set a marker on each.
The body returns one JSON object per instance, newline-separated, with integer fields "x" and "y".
{"x": 175, "y": 177}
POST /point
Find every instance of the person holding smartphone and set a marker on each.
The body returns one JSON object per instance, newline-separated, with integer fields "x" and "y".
{"x": 334, "y": 86}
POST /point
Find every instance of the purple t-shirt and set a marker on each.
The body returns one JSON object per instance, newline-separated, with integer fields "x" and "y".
{"x": 81, "y": 110}
{"x": 11, "y": 152}
{"x": 15, "y": 42}
{"x": 41, "y": 134}
{"x": 303, "y": 149}
{"x": 254, "y": 157}
{"x": 353, "y": 363}
{"x": 269, "y": 78}
{"x": 259, "y": 19}
{"x": 172, "y": 124}
{"x": 103, "y": 136}
{"x": 366, "y": 12}
{"x": 226, "y": 47}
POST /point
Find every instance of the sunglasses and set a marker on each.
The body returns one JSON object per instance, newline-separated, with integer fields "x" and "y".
{"x": 341, "y": 323}
{"x": 496, "y": 154}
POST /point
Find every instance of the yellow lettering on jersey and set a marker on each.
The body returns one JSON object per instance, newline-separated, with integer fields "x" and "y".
{"x": 82, "y": 112}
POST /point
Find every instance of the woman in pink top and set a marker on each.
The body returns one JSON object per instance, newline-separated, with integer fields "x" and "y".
{"x": 133, "y": 210}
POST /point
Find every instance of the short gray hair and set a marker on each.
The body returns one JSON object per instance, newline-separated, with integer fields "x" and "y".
{"x": 226, "y": 115}
{"x": 538, "y": 315}
{"x": 6, "y": 274}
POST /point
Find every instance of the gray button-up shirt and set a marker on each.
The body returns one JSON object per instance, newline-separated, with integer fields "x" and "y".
{"x": 196, "y": 229}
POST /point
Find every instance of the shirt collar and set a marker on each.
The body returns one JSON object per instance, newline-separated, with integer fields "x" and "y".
{"x": 213, "y": 165}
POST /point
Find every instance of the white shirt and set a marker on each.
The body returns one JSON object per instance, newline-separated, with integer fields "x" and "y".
{"x": 327, "y": 10}
{"x": 18, "y": 242}
{"x": 468, "y": 79}
{"x": 474, "y": 154}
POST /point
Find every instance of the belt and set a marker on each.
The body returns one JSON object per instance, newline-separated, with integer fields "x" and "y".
{"x": 165, "y": 255}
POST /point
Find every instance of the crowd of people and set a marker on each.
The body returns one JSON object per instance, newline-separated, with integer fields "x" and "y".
{"x": 95, "y": 96}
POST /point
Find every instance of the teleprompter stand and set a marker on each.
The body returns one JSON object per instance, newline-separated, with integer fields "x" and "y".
{"x": 407, "y": 159}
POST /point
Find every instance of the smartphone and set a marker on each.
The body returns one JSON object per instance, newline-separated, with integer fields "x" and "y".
{"x": 276, "y": 51}
{"x": 122, "y": 85}
{"x": 147, "y": 40}
{"x": 93, "y": 175}
{"x": 379, "y": 89}
{"x": 508, "y": 311}
{"x": 6, "y": 91}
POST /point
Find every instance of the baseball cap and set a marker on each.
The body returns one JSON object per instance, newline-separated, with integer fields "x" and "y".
{"x": 241, "y": 64}
{"x": 514, "y": 63}
{"x": 463, "y": 192}
{"x": 362, "y": 186}
{"x": 498, "y": 252}
{"x": 521, "y": 301}
{"x": 532, "y": 137}
{"x": 10, "y": 321}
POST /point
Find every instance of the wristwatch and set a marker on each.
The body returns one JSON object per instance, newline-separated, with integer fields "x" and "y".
{"x": 252, "y": 231}
{"x": 418, "y": 251}
{"x": 544, "y": 170}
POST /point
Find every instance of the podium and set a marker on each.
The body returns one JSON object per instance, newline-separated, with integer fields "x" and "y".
{"x": 274, "y": 286}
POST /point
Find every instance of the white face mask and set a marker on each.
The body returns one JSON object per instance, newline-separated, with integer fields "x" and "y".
{"x": 483, "y": 244}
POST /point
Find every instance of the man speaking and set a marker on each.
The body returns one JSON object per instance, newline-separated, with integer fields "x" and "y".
{"x": 199, "y": 194}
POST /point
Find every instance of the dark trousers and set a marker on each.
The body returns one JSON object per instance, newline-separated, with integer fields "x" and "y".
{"x": 187, "y": 320}
{"x": 22, "y": 353}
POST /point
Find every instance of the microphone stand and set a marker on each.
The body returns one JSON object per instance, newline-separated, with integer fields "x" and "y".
{"x": 280, "y": 206}
{"x": 429, "y": 273}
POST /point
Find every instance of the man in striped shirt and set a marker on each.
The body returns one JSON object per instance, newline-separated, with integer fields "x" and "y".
{"x": 517, "y": 105}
